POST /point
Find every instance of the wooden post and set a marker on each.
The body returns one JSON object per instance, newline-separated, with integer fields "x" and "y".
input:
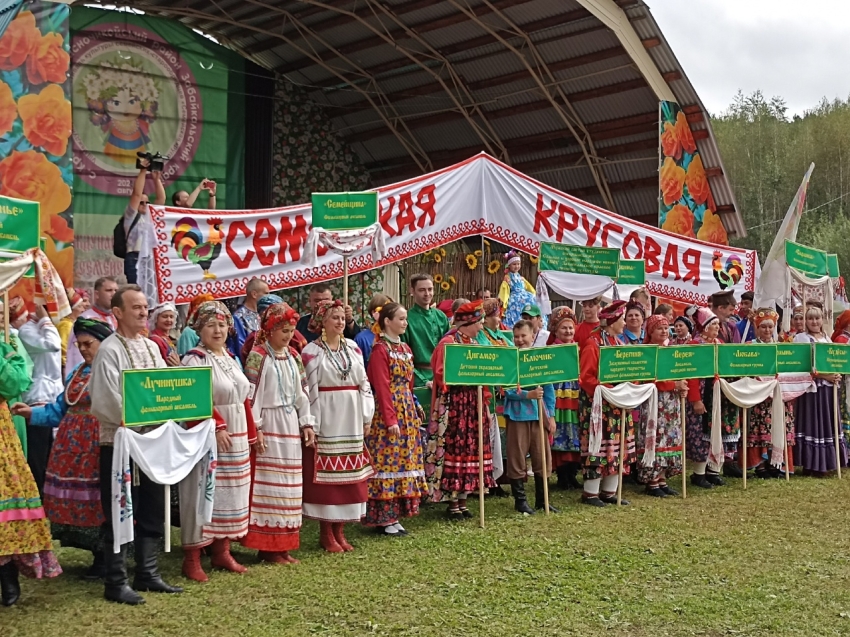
{"x": 544, "y": 441}
{"x": 481, "y": 456}
{"x": 166, "y": 537}
{"x": 622, "y": 455}
{"x": 744, "y": 446}
{"x": 684, "y": 416}
{"x": 6, "y": 315}
{"x": 345, "y": 280}
{"x": 836, "y": 417}
{"x": 787, "y": 454}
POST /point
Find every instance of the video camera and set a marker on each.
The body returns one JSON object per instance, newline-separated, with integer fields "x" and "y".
{"x": 155, "y": 160}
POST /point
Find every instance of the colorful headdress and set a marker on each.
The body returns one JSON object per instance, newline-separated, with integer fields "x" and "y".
{"x": 209, "y": 311}
{"x": 703, "y": 317}
{"x": 610, "y": 313}
{"x": 321, "y": 312}
{"x": 841, "y": 324}
{"x": 559, "y": 315}
{"x": 17, "y": 309}
{"x": 267, "y": 301}
{"x": 653, "y": 323}
{"x": 469, "y": 313}
{"x": 195, "y": 304}
{"x": 94, "y": 328}
{"x": 76, "y": 296}
{"x": 445, "y": 306}
{"x": 274, "y": 317}
{"x": 512, "y": 257}
{"x": 686, "y": 322}
{"x": 492, "y": 307}
{"x": 634, "y": 305}
{"x": 759, "y": 316}
{"x": 168, "y": 306}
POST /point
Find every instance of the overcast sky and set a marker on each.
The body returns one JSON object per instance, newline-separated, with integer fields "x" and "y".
{"x": 795, "y": 49}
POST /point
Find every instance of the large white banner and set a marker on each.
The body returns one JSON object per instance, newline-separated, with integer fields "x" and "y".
{"x": 218, "y": 252}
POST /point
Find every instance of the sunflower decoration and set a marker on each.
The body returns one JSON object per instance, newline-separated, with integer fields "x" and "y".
{"x": 452, "y": 280}
{"x": 445, "y": 286}
{"x": 494, "y": 266}
{"x": 438, "y": 257}
{"x": 471, "y": 261}
{"x": 428, "y": 252}
{"x": 533, "y": 259}
{"x": 438, "y": 278}
{"x": 442, "y": 252}
{"x": 478, "y": 253}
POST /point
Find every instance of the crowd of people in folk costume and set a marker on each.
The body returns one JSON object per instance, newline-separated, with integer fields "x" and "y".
{"x": 317, "y": 417}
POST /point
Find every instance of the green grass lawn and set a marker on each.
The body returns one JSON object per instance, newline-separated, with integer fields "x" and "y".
{"x": 774, "y": 560}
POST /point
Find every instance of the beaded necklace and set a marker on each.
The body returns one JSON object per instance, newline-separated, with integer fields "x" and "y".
{"x": 340, "y": 358}
{"x": 227, "y": 369}
{"x": 69, "y": 400}
{"x": 291, "y": 376}
{"x": 130, "y": 353}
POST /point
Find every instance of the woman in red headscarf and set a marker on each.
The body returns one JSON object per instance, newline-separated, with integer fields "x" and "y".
{"x": 668, "y": 434}
{"x": 841, "y": 334}
{"x": 281, "y": 411}
{"x": 451, "y": 459}
{"x": 601, "y": 471}
{"x": 566, "y": 443}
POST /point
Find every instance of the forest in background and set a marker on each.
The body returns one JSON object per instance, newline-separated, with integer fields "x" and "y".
{"x": 766, "y": 154}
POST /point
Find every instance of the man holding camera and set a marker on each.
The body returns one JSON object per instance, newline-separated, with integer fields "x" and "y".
{"x": 136, "y": 216}
{"x": 184, "y": 199}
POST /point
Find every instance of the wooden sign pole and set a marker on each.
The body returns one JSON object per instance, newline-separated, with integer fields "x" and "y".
{"x": 837, "y": 421}
{"x": 480, "y": 456}
{"x": 166, "y": 537}
{"x": 345, "y": 281}
{"x": 744, "y": 446}
{"x": 622, "y": 455}
{"x": 683, "y": 415}
{"x": 787, "y": 455}
{"x": 543, "y": 442}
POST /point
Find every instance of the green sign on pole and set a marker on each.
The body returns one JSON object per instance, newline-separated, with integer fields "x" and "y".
{"x": 480, "y": 365}
{"x": 20, "y": 224}
{"x": 627, "y": 363}
{"x": 683, "y": 362}
{"x": 750, "y": 360}
{"x": 805, "y": 259}
{"x": 793, "y": 358}
{"x": 544, "y": 365}
{"x": 153, "y": 396}
{"x": 832, "y": 358}
{"x": 344, "y": 210}
{"x": 632, "y": 272}
{"x": 579, "y": 259}
{"x": 832, "y": 266}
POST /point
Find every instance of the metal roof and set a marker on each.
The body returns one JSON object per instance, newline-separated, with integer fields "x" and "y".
{"x": 566, "y": 91}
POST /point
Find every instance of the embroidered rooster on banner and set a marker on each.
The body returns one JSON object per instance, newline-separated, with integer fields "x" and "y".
{"x": 729, "y": 275}
{"x": 189, "y": 243}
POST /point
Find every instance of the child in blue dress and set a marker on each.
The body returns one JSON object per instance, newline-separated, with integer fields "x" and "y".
{"x": 515, "y": 292}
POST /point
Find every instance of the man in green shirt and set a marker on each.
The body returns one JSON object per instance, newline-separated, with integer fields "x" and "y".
{"x": 425, "y": 327}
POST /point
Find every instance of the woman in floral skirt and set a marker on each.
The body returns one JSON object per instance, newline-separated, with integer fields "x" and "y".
{"x": 25, "y": 543}
{"x": 72, "y": 483}
{"x": 398, "y": 483}
{"x": 566, "y": 443}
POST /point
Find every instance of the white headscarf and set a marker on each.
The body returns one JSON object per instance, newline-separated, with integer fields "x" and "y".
{"x": 168, "y": 306}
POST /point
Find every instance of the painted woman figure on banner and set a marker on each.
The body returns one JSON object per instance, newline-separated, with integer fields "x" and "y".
{"x": 601, "y": 472}
{"x": 122, "y": 99}
{"x": 336, "y": 472}
{"x": 281, "y": 411}
{"x": 515, "y": 292}
{"x": 760, "y": 423}
{"x": 668, "y": 433}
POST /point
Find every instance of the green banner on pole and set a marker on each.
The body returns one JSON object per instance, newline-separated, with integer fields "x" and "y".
{"x": 751, "y": 360}
{"x": 20, "y": 224}
{"x": 682, "y": 362}
{"x": 627, "y": 363}
{"x": 793, "y": 358}
{"x": 832, "y": 266}
{"x": 579, "y": 259}
{"x": 545, "y": 365}
{"x": 832, "y": 358}
{"x": 632, "y": 272}
{"x": 805, "y": 259}
{"x": 153, "y": 396}
{"x": 344, "y": 210}
{"x": 480, "y": 365}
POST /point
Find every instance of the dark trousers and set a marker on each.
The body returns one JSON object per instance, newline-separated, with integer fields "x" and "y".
{"x": 39, "y": 444}
{"x": 130, "y": 261}
{"x": 148, "y": 501}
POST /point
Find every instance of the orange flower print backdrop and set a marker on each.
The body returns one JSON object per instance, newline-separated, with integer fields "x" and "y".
{"x": 686, "y": 205}
{"x": 35, "y": 127}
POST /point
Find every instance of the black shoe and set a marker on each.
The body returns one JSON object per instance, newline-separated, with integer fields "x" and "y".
{"x": 497, "y": 492}
{"x": 715, "y": 479}
{"x": 666, "y": 489}
{"x": 116, "y": 588}
{"x": 520, "y": 499}
{"x": 699, "y": 480}
{"x": 97, "y": 569}
{"x": 732, "y": 470}
{"x": 595, "y": 501}
{"x": 567, "y": 476}
{"x": 613, "y": 500}
{"x": 656, "y": 492}
{"x": 147, "y": 575}
{"x": 539, "y": 500}
{"x": 454, "y": 515}
{"x": 9, "y": 584}
{"x": 466, "y": 513}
